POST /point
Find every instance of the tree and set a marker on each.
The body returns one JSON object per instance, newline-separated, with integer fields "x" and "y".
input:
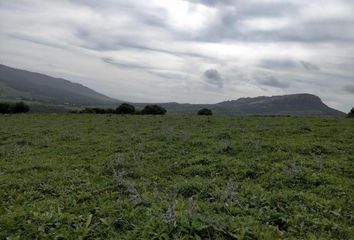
{"x": 5, "y": 108}
{"x": 110, "y": 111}
{"x": 153, "y": 110}
{"x": 351, "y": 113}
{"x": 20, "y": 107}
{"x": 125, "y": 108}
{"x": 99, "y": 110}
{"x": 88, "y": 110}
{"x": 205, "y": 112}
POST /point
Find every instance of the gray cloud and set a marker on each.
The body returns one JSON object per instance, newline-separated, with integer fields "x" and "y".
{"x": 123, "y": 64}
{"x": 36, "y": 40}
{"x": 288, "y": 64}
{"x": 272, "y": 82}
{"x": 212, "y": 2}
{"x": 257, "y": 21}
{"x": 278, "y": 64}
{"x": 213, "y": 77}
{"x": 128, "y": 43}
{"x": 314, "y": 31}
{"x": 349, "y": 88}
{"x": 168, "y": 74}
{"x": 309, "y": 66}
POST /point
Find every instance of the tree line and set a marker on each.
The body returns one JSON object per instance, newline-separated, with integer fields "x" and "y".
{"x": 11, "y": 108}
{"x": 126, "y": 108}
{"x": 351, "y": 113}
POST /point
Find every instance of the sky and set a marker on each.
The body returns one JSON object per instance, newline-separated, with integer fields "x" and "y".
{"x": 196, "y": 51}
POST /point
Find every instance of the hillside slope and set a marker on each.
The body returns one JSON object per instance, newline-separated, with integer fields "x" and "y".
{"x": 20, "y": 84}
{"x": 294, "y": 104}
{"x": 34, "y": 86}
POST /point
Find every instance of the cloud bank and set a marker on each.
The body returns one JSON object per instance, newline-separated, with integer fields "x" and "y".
{"x": 198, "y": 51}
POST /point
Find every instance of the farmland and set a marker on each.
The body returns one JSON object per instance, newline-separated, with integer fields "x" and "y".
{"x": 67, "y": 176}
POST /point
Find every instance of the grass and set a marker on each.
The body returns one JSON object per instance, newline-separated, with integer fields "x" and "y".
{"x": 68, "y": 176}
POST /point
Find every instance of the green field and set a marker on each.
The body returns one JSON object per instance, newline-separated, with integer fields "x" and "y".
{"x": 72, "y": 176}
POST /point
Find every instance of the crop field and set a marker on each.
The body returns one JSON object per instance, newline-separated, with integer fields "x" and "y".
{"x": 67, "y": 176}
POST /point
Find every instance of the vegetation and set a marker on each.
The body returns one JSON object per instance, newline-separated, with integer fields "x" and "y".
{"x": 125, "y": 108}
{"x": 351, "y": 113}
{"x": 4, "y": 107}
{"x": 88, "y": 176}
{"x": 153, "y": 110}
{"x": 97, "y": 111}
{"x": 19, "y": 107}
{"x": 205, "y": 111}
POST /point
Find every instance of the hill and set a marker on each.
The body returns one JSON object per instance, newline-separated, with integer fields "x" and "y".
{"x": 295, "y": 105}
{"x": 16, "y": 83}
{"x": 54, "y": 94}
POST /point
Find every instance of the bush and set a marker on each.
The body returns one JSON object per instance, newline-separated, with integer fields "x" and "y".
{"x": 5, "y": 108}
{"x": 97, "y": 110}
{"x": 87, "y": 110}
{"x": 110, "y": 111}
{"x": 19, "y": 107}
{"x": 351, "y": 113}
{"x": 153, "y": 110}
{"x": 205, "y": 112}
{"x": 125, "y": 108}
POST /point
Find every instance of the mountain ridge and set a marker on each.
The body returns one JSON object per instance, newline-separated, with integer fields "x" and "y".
{"x": 34, "y": 86}
{"x": 44, "y": 88}
{"x": 300, "y": 104}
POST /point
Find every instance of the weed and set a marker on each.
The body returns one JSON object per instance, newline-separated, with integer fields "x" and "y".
{"x": 138, "y": 152}
{"x": 166, "y": 132}
{"x": 255, "y": 145}
{"x": 191, "y": 210}
{"x": 293, "y": 169}
{"x": 170, "y": 215}
{"x": 317, "y": 160}
{"x": 226, "y": 147}
{"x": 134, "y": 196}
{"x": 231, "y": 194}
{"x": 70, "y": 135}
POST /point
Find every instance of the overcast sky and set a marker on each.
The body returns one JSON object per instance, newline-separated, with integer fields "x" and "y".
{"x": 197, "y": 51}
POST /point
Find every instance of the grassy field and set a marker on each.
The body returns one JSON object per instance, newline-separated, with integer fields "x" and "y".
{"x": 175, "y": 177}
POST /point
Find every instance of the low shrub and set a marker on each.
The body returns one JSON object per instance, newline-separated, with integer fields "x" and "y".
{"x": 19, "y": 107}
{"x": 205, "y": 112}
{"x": 125, "y": 108}
{"x": 153, "y": 110}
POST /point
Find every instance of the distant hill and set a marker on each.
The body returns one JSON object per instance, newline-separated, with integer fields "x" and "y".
{"x": 53, "y": 94}
{"x": 294, "y": 105}
{"x": 15, "y": 83}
